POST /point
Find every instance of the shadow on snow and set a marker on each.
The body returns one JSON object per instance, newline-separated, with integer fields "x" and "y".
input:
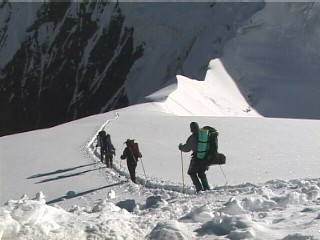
{"x": 73, "y": 195}
{"x": 58, "y": 171}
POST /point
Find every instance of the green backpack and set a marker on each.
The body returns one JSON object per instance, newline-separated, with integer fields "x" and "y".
{"x": 203, "y": 143}
{"x": 207, "y": 142}
{"x": 207, "y": 150}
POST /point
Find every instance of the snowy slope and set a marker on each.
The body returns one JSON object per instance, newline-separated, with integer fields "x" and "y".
{"x": 272, "y": 191}
{"x": 278, "y": 47}
{"x": 269, "y": 188}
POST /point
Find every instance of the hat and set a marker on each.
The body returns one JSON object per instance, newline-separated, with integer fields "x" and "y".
{"x": 194, "y": 127}
{"x": 129, "y": 141}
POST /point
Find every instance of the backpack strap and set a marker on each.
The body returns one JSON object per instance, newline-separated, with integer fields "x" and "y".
{"x": 134, "y": 157}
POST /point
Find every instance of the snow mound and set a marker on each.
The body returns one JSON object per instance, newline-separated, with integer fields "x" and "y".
{"x": 169, "y": 230}
{"x": 36, "y": 219}
{"x": 289, "y": 207}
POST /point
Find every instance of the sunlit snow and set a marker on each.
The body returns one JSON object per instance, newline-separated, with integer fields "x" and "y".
{"x": 53, "y": 185}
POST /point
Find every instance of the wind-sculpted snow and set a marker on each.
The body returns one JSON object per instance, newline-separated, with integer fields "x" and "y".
{"x": 274, "y": 210}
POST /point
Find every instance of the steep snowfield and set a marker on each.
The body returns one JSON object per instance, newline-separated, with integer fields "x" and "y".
{"x": 267, "y": 53}
{"x": 278, "y": 47}
{"x": 180, "y": 38}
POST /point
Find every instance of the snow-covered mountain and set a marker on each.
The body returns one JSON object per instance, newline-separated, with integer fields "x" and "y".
{"x": 53, "y": 185}
{"x": 64, "y": 61}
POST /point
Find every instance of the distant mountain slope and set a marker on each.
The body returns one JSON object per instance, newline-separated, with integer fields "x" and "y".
{"x": 64, "y": 61}
{"x": 274, "y": 60}
{"x": 72, "y": 62}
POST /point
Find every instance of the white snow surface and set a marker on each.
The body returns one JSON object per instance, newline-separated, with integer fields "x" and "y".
{"x": 53, "y": 186}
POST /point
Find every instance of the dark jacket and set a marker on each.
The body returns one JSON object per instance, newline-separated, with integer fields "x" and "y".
{"x": 196, "y": 166}
{"x": 127, "y": 154}
{"x": 108, "y": 147}
{"x": 190, "y": 145}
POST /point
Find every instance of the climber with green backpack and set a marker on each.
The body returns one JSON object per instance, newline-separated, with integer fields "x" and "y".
{"x": 197, "y": 168}
{"x": 203, "y": 143}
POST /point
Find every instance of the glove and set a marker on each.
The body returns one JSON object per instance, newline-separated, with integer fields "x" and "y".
{"x": 180, "y": 145}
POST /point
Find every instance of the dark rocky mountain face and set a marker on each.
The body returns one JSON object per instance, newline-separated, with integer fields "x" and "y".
{"x": 67, "y": 67}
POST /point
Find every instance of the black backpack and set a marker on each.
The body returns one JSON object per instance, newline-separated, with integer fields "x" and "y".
{"x": 101, "y": 135}
{"x": 213, "y": 157}
{"x": 108, "y": 147}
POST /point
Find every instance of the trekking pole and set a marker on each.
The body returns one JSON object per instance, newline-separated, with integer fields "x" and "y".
{"x": 224, "y": 174}
{"x": 143, "y": 169}
{"x": 182, "y": 172}
{"x": 120, "y": 169}
{"x": 136, "y": 159}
